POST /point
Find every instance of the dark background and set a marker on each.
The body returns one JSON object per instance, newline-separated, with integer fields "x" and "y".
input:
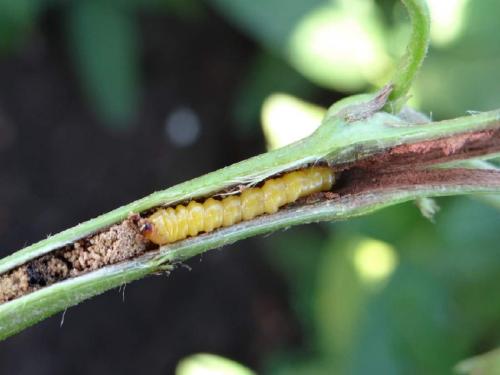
{"x": 83, "y": 130}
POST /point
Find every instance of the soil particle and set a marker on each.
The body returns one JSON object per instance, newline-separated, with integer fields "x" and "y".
{"x": 46, "y": 270}
{"x": 117, "y": 243}
{"x": 14, "y": 283}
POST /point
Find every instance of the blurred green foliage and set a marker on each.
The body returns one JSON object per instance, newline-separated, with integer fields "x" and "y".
{"x": 104, "y": 42}
{"x": 353, "y": 45}
{"x": 16, "y": 19}
{"x": 338, "y": 44}
{"x": 462, "y": 75}
{"x": 488, "y": 363}
{"x": 439, "y": 305}
{"x": 210, "y": 364}
{"x": 268, "y": 73}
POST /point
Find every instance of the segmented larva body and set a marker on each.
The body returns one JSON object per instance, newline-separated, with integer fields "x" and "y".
{"x": 168, "y": 225}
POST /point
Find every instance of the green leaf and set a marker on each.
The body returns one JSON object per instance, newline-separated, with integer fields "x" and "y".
{"x": 462, "y": 76}
{"x": 210, "y": 364}
{"x": 351, "y": 272}
{"x": 103, "y": 40}
{"x": 296, "y": 254}
{"x": 488, "y": 363}
{"x": 267, "y": 74}
{"x": 269, "y": 21}
{"x": 407, "y": 327}
{"x": 16, "y": 18}
{"x": 336, "y": 44}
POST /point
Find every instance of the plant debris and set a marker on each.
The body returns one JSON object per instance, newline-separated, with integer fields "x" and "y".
{"x": 119, "y": 242}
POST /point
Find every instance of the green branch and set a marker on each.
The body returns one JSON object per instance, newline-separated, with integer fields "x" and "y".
{"x": 23, "y": 312}
{"x": 414, "y": 56}
{"x": 352, "y": 130}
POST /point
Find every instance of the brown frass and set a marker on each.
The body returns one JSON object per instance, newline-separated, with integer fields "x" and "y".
{"x": 119, "y": 242}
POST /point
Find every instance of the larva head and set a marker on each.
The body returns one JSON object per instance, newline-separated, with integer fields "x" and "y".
{"x": 160, "y": 227}
{"x": 148, "y": 230}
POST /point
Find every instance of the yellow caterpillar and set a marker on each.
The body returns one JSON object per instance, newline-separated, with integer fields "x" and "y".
{"x": 168, "y": 225}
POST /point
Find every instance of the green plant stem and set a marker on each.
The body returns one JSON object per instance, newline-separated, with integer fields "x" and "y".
{"x": 23, "y": 312}
{"x": 353, "y": 129}
{"x": 336, "y": 141}
{"x": 414, "y": 56}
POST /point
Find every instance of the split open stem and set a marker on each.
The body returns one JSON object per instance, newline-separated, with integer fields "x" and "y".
{"x": 352, "y": 135}
{"x": 355, "y": 132}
